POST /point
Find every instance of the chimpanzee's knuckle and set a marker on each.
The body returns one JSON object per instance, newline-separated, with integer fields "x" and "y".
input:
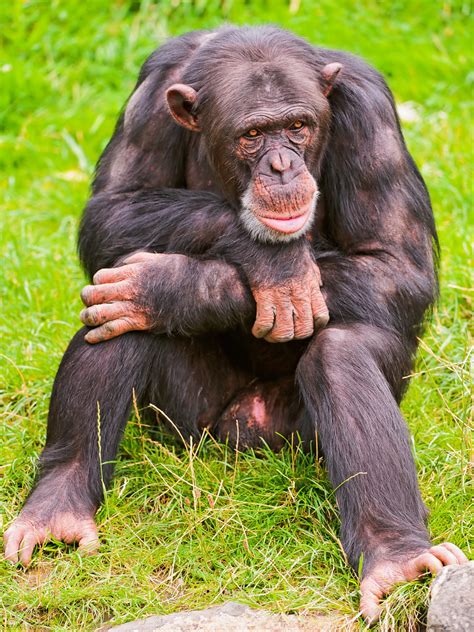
{"x": 98, "y": 315}
{"x": 259, "y": 330}
{"x": 109, "y": 328}
{"x": 265, "y": 320}
{"x": 99, "y": 277}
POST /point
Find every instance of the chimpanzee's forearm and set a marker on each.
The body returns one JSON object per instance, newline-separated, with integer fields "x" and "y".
{"x": 188, "y": 294}
{"x": 191, "y": 296}
{"x": 179, "y": 221}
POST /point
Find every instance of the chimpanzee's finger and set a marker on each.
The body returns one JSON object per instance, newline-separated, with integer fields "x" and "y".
{"x": 371, "y": 592}
{"x": 456, "y": 551}
{"x": 12, "y": 540}
{"x": 89, "y": 540}
{"x": 112, "y": 275}
{"x": 27, "y": 546}
{"x": 96, "y": 294}
{"x": 264, "y": 319}
{"x": 100, "y": 314}
{"x": 302, "y": 319}
{"x": 110, "y": 330}
{"x": 283, "y": 329}
{"x": 370, "y": 607}
{"x": 444, "y": 554}
{"x": 425, "y": 561}
{"x": 319, "y": 309}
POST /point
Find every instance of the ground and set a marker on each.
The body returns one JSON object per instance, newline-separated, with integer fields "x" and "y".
{"x": 191, "y": 528}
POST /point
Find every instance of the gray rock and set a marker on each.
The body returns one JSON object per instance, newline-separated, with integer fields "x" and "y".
{"x": 452, "y": 600}
{"x": 229, "y": 617}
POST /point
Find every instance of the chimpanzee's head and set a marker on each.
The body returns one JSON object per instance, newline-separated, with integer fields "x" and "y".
{"x": 263, "y": 116}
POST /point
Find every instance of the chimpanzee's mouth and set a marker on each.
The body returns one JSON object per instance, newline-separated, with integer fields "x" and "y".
{"x": 281, "y": 221}
{"x": 286, "y": 225}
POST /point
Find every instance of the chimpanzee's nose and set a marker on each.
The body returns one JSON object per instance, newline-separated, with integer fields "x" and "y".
{"x": 279, "y": 161}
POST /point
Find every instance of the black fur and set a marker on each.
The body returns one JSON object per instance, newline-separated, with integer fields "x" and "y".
{"x": 375, "y": 243}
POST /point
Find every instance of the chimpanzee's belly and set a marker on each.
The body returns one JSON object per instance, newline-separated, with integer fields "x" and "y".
{"x": 264, "y": 360}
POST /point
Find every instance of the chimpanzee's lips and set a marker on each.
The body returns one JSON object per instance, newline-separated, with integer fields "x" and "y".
{"x": 286, "y": 224}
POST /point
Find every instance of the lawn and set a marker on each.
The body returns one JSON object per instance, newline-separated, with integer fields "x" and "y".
{"x": 180, "y": 527}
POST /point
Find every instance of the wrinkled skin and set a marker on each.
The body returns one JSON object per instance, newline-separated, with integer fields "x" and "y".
{"x": 28, "y": 531}
{"x": 116, "y": 305}
{"x": 383, "y": 577}
{"x": 113, "y": 302}
{"x": 292, "y": 311}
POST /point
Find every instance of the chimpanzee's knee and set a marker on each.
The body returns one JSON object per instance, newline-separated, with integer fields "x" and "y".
{"x": 131, "y": 349}
{"x": 356, "y": 352}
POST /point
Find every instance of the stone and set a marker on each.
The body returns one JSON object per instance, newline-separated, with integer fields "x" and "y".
{"x": 229, "y": 617}
{"x": 452, "y": 600}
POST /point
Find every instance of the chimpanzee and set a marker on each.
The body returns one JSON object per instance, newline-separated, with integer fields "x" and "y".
{"x": 247, "y": 168}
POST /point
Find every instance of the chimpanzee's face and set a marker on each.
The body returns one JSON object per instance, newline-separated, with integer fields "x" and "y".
{"x": 279, "y": 200}
{"x": 265, "y": 129}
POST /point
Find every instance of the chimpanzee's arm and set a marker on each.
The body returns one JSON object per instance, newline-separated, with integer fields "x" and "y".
{"x": 179, "y": 294}
{"x": 116, "y": 225}
{"x": 176, "y": 293}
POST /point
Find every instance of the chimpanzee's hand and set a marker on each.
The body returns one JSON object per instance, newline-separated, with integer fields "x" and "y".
{"x": 292, "y": 308}
{"x": 118, "y": 303}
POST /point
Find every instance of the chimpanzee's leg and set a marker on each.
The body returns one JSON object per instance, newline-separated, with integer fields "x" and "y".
{"x": 348, "y": 378}
{"x": 92, "y": 396}
{"x": 189, "y": 378}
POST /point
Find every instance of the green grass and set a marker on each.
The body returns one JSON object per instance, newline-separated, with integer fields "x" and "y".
{"x": 190, "y": 528}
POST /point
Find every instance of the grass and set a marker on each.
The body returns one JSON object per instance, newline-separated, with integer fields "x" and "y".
{"x": 190, "y": 528}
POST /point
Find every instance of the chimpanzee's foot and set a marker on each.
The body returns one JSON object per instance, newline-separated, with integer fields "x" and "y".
{"x": 383, "y": 576}
{"x": 27, "y": 531}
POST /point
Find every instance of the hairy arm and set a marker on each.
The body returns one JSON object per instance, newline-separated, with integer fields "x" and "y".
{"x": 122, "y": 243}
{"x": 178, "y": 261}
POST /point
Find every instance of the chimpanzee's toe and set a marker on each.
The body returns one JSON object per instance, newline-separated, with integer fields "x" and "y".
{"x": 26, "y": 532}
{"x": 384, "y": 576}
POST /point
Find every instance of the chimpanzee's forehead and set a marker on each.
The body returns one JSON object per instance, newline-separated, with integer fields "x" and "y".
{"x": 272, "y": 89}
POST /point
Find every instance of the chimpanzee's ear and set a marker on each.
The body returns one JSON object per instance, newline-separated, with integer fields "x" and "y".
{"x": 180, "y": 99}
{"x": 329, "y": 75}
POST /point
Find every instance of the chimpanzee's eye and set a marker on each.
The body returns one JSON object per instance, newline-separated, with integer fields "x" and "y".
{"x": 252, "y": 133}
{"x": 297, "y": 126}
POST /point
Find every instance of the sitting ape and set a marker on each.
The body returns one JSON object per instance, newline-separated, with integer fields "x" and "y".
{"x": 243, "y": 157}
